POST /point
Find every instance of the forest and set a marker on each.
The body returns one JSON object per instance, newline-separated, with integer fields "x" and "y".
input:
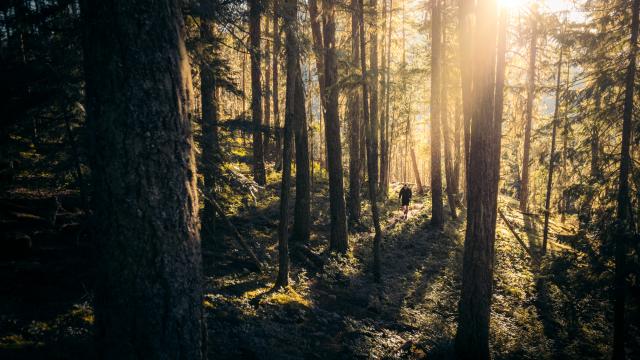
{"x": 319, "y": 179}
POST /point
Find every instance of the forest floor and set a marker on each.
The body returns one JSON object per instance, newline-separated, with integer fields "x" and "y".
{"x": 552, "y": 309}
{"x": 557, "y": 308}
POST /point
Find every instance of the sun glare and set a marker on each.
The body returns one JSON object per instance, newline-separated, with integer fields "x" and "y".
{"x": 514, "y": 4}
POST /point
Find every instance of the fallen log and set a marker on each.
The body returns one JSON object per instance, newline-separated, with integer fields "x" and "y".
{"x": 513, "y": 231}
{"x": 236, "y": 233}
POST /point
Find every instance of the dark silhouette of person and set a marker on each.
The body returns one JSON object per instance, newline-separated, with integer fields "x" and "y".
{"x": 405, "y": 198}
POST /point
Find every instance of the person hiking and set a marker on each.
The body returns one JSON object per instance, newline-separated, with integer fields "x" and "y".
{"x": 405, "y": 198}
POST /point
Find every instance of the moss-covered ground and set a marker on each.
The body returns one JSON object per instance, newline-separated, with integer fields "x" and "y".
{"x": 555, "y": 308}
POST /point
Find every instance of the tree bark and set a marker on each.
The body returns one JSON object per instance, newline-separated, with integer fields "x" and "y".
{"x": 437, "y": 217}
{"x": 466, "y": 77}
{"x": 372, "y": 78}
{"x": 499, "y": 93}
{"x": 210, "y": 157}
{"x": 255, "y": 10}
{"x": 531, "y": 89}
{"x": 457, "y": 151}
{"x": 318, "y": 47}
{"x": 289, "y": 16}
{"x": 302, "y": 208}
{"x": 372, "y": 160}
{"x": 384, "y": 116}
{"x": 624, "y": 214}
{"x": 354, "y": 109}
{"x": 472, "y": 337}
{"x": 148, "y": 301}
{"x": 276, "y": 97}
{"x": 444, "y": 119}
{"x": 267, "y": 94}
{"x": 338, "y": 240}
{"x": 416, "y": 172}
{"x": 552, "y": 157}
{"x": 385, "y": 141}
{"x": 595, "y": 172}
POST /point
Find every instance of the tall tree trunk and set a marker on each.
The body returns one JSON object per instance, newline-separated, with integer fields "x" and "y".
{"x": 531, "y": 89}
{"x": 372, "y": 78}
{"x": 318, "y": 47}
{"x": 383, "y": 90}
{"x": 338, "y": 240}
{"x": 552, "y": 157}
{"x": 148, "y": 301}
{"x": 564, "y": 179}
{"x": 403, "y": 75}
{"x": 210, "y": 158}
{"x": 363, "y": 147}
{"x": 354, "y": 110}
{"x": 499, "y": 96}
{"x": 624, "y": 203}
{"x": 318, "y": 50}
{"x": 466, "y": 77}
{"x": 371, "y": 138}
{"x": 595, "y": 139}
{"x": 416, "y": 173}
{"x": 457, "y": 150}
{"x": 311, "y": 133}
{"x": 276, "y": 98}
{"x": 244, "y": 87}
{"x": 255, "y": 10}
{"x": 472, "y": 337}
{"x": 267, "y": 93}
{"x": 444, "y": 119}
{"x": 437, "y": 217}
{"x": 302, "y": 209}
{"x": 384, "y": 141}
{"x": 289, "y": 16}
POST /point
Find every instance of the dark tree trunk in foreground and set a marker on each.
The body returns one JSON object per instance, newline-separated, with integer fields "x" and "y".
{"x": 209, "y": 143}
{"x": 531, "y": 89}
{"x": 338, "y": 240}
{"x": 372, "y": 159}
{"x": 354, "y": 112}
{"x": 289, "y": 13}
{"x": 624, "y": 212}
{"x": 302, "y": 208}
{"x": 148, "y": 301}
{"x": 552, "y": 157}
{"x": 472, "y": 337}
{"x": 255, "y": 9}
{"x": 437, "y": 217}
